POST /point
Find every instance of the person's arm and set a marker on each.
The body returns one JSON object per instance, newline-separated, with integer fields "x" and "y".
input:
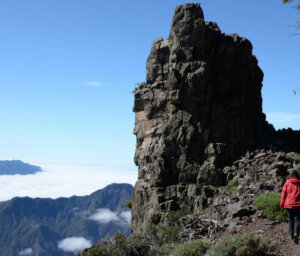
{"x": 283, "y": 196}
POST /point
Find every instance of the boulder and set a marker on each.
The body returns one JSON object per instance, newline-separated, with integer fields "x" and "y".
{"x": 238, "y": 209}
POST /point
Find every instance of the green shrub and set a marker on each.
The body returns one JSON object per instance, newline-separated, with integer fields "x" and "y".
{"x": 121, "y": 245}
{"x": 298, "y": 169}
{"x": 247, "y": 244}
{"x": 138, "y": 86}
{"x": 138, "y": 246}
{"x": 171, "y": 233}
{"x": 206, "y": 209}
{"x": 120, "y": 240}
{"x": 162, "y": 234}
{"x": 193, "y": 248}
{"x": 294, "y": 158}
{"x": 151, "y": 232}
{"x": 97, "y": 251}
{"x": 102, "y": 251}
{"x": 128, "y": 204}
{"x": 180, "y": 197}
{"x": 165, "y": 249}
{"x": 232, "y": 183}
{"x": 137, "y": 241}
{"x": 173, "y": 216}
{"x": 270, "y": 204}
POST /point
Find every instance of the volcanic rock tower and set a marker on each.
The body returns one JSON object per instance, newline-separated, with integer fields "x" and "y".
{"x": 200, "y": 108}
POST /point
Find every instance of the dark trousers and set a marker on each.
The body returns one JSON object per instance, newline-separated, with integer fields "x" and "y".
{"x": 294, "y": 221}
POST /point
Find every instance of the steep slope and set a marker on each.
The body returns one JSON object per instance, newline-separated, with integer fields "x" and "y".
{"x": 41, "y": 223}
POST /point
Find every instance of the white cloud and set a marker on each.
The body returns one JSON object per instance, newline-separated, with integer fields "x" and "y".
{"x": 27, "y": 251}
{"x": 93, "y": 83}
{"x": 126, "y": 216}
{"x": 105, "y": 216}
{"x": 284, "y": 120}
{"x": 66, "y": 178}
{"x": 74, "y": 244}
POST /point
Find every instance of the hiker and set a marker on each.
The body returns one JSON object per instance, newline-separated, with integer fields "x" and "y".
{"x": 290, "y": 200}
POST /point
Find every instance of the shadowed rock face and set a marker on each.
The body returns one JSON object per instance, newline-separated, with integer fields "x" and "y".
{"x": 200, "y": 108}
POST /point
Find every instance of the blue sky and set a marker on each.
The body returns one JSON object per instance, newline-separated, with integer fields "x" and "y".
{"x": 68, "y": 68}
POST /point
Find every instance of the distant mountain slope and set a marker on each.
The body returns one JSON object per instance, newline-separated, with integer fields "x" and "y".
{"x": 39, "y": 224}
{"x": 17, "y": 167}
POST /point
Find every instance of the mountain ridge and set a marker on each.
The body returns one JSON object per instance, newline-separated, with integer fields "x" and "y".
{"x": 13, "y": 167}
{"x": 40, "y": 223}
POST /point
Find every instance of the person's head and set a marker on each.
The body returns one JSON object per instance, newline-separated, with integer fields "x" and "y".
{"x": 294, "y": 174}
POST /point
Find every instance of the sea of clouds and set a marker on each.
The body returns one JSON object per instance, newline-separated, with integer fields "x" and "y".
{"x": 66, "y": 178}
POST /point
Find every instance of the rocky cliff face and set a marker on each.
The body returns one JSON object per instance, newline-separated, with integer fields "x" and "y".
{"x": 199, "y": 109}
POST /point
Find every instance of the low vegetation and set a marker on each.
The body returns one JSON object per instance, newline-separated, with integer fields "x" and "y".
{"x": 298, "y": 169}
{"x": 128, "y": 204}
{"x": 120, "y": 245}
{"x": 138, "y": 86}
{"x": 101, "y": 251}
{"x": 248, "y": 244}
{"x": 162, "y": 234}
{"x": 232, "y": 183}
{"x": 270, "y": 204}
{"x": 174, "y": 216}
{"x": 295, "y": 158}
{"x": 196, "y": 247}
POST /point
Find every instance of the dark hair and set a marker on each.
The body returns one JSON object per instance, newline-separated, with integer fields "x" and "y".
{"x": 294, "y": 174}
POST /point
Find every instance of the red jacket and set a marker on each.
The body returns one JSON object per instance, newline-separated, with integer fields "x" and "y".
{"x": 290, "y": 197}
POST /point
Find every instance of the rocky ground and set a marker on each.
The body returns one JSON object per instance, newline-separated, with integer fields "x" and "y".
{"x": 260, "y": 172}
{"x": 276, "y": 231}
{"x": 230, "y": 209}
{"x": 255, "y": 173}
